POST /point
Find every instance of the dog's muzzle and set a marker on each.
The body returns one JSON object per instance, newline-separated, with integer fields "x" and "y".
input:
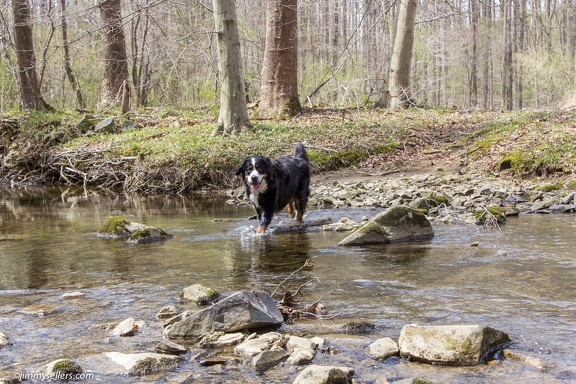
{"x": 255, "y": 182}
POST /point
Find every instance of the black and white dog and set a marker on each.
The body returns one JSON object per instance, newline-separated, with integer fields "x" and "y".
{"x": 274, "y": 184}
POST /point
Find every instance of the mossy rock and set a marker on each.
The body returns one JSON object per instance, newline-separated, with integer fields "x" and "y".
{"x": 64, "y": 367}
{"x": 148, "y": 234}
{"x": 490, "y": 216}
{"x": 115, "y": 226}
{"x": 431, "y": 201}
{"x": 399, "y": 223}
{"x": 151, "y": 365}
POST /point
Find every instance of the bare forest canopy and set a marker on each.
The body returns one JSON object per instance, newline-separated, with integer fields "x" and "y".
{"x": 489, "y": 54}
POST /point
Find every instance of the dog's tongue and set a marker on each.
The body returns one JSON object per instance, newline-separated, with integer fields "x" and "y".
{"x": 255, "y": 186}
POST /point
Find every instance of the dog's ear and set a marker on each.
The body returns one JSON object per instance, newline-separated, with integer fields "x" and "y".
{"x": 240, "y": 170}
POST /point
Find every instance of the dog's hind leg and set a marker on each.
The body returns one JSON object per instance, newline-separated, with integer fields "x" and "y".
{"x": 300, "y": 201}
{"x": 299, "y": 209}
{"x": 290, "y": 208}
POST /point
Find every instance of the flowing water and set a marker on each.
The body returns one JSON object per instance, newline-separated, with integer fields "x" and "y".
{"x": 520, "y": 279}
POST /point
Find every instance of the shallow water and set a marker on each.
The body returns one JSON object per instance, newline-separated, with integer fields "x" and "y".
{"x": 520, "y": 279}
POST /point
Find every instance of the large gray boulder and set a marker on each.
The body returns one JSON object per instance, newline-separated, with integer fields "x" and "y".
{"x": 449, "y": 344}
{"x": 399, "y": 223}
{"x": 241, "y": 310}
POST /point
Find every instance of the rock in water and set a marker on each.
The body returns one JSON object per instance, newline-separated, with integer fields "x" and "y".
{"x": 117, "y": 227}
{"x": 399, "y": 223}
{"x": 135, "y": 364}
{"x": 449, "y": 344}
{"x": 241, "y": 310}
{"x": 199, "y": 294}
{"x": 320, "y": 374}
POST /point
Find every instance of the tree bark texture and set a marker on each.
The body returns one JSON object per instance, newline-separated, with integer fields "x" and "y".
{"x": 29, "y": 85}
{"x": 114, "y": 55}
{"x": 399, "y": 76}
{"x": 233, "y": 116}
{"x": 507, "y": 70}
{"x": 474, "y": 12}
{"x": 279, "y": 77}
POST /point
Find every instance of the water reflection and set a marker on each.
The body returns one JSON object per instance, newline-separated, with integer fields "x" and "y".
{"x": 519, "y": 279}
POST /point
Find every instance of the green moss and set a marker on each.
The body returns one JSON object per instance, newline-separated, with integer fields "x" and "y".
{"x": 439, "y": 199}
{"x": 140, "y": 234}
{"x": 115, "y": 225}
{"x": 151, "y": 365}
{"x": 490, "y": 216}
{"x": 67, "y": 366}
{"x": 348, "y": 157}
{"x": 550, "y": 187}
{"x": 422, "y": 381}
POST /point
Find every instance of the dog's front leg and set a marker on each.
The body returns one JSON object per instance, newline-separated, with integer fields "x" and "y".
{"x": 265, "y": 219}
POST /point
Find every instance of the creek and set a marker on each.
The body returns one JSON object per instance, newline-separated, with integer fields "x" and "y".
{"x": 519, "y": 278}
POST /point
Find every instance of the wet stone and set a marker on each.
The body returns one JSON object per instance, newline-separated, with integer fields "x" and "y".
{"x": 171, "y": 348}
{"x": 167, "y": 312}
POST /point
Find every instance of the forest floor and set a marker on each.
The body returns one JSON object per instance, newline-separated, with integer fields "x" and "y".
{"x": 171, "y": 152}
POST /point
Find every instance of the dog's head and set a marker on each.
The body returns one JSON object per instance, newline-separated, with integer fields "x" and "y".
{"x": 257, "y": 173}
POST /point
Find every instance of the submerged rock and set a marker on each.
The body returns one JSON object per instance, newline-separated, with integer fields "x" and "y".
{"x": 399, "y": 223}
{"x": 241, "y": 310}
{"x": 117, "y": 227}
{"x": 449, "y": 344}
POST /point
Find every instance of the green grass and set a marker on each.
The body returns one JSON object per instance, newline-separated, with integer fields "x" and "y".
{"x": 178, "y": 145}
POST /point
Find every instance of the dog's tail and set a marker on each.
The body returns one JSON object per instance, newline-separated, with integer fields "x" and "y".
{"x": 300, "y": 152}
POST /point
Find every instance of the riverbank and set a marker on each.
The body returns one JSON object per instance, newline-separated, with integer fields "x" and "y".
{"x": 174, "y": 153}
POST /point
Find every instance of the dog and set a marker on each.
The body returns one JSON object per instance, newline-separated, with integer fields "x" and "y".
{"x": 272, "y": 185}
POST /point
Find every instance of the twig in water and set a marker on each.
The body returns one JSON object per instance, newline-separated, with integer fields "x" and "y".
{"x": 306, "y": 264}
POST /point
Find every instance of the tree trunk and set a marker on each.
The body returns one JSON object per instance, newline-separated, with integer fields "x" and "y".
{"x": 29, "y": 86}
{"x": 474, "y": 59}
{"x": 507, "y": 90}
{"x": 141, "y": 69}
{"x": 67, "y": 66}
{"x": 114, "y": 56}
{"x": 279, "y": 78}
{"x": 486, "y": 57}
{"x": 233, "y": 112}
{"x": 399, "y": 75}
{"x": 520, "y": 11}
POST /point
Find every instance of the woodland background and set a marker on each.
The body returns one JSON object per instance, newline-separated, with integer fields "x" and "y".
{"x": 491, "y": 54}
